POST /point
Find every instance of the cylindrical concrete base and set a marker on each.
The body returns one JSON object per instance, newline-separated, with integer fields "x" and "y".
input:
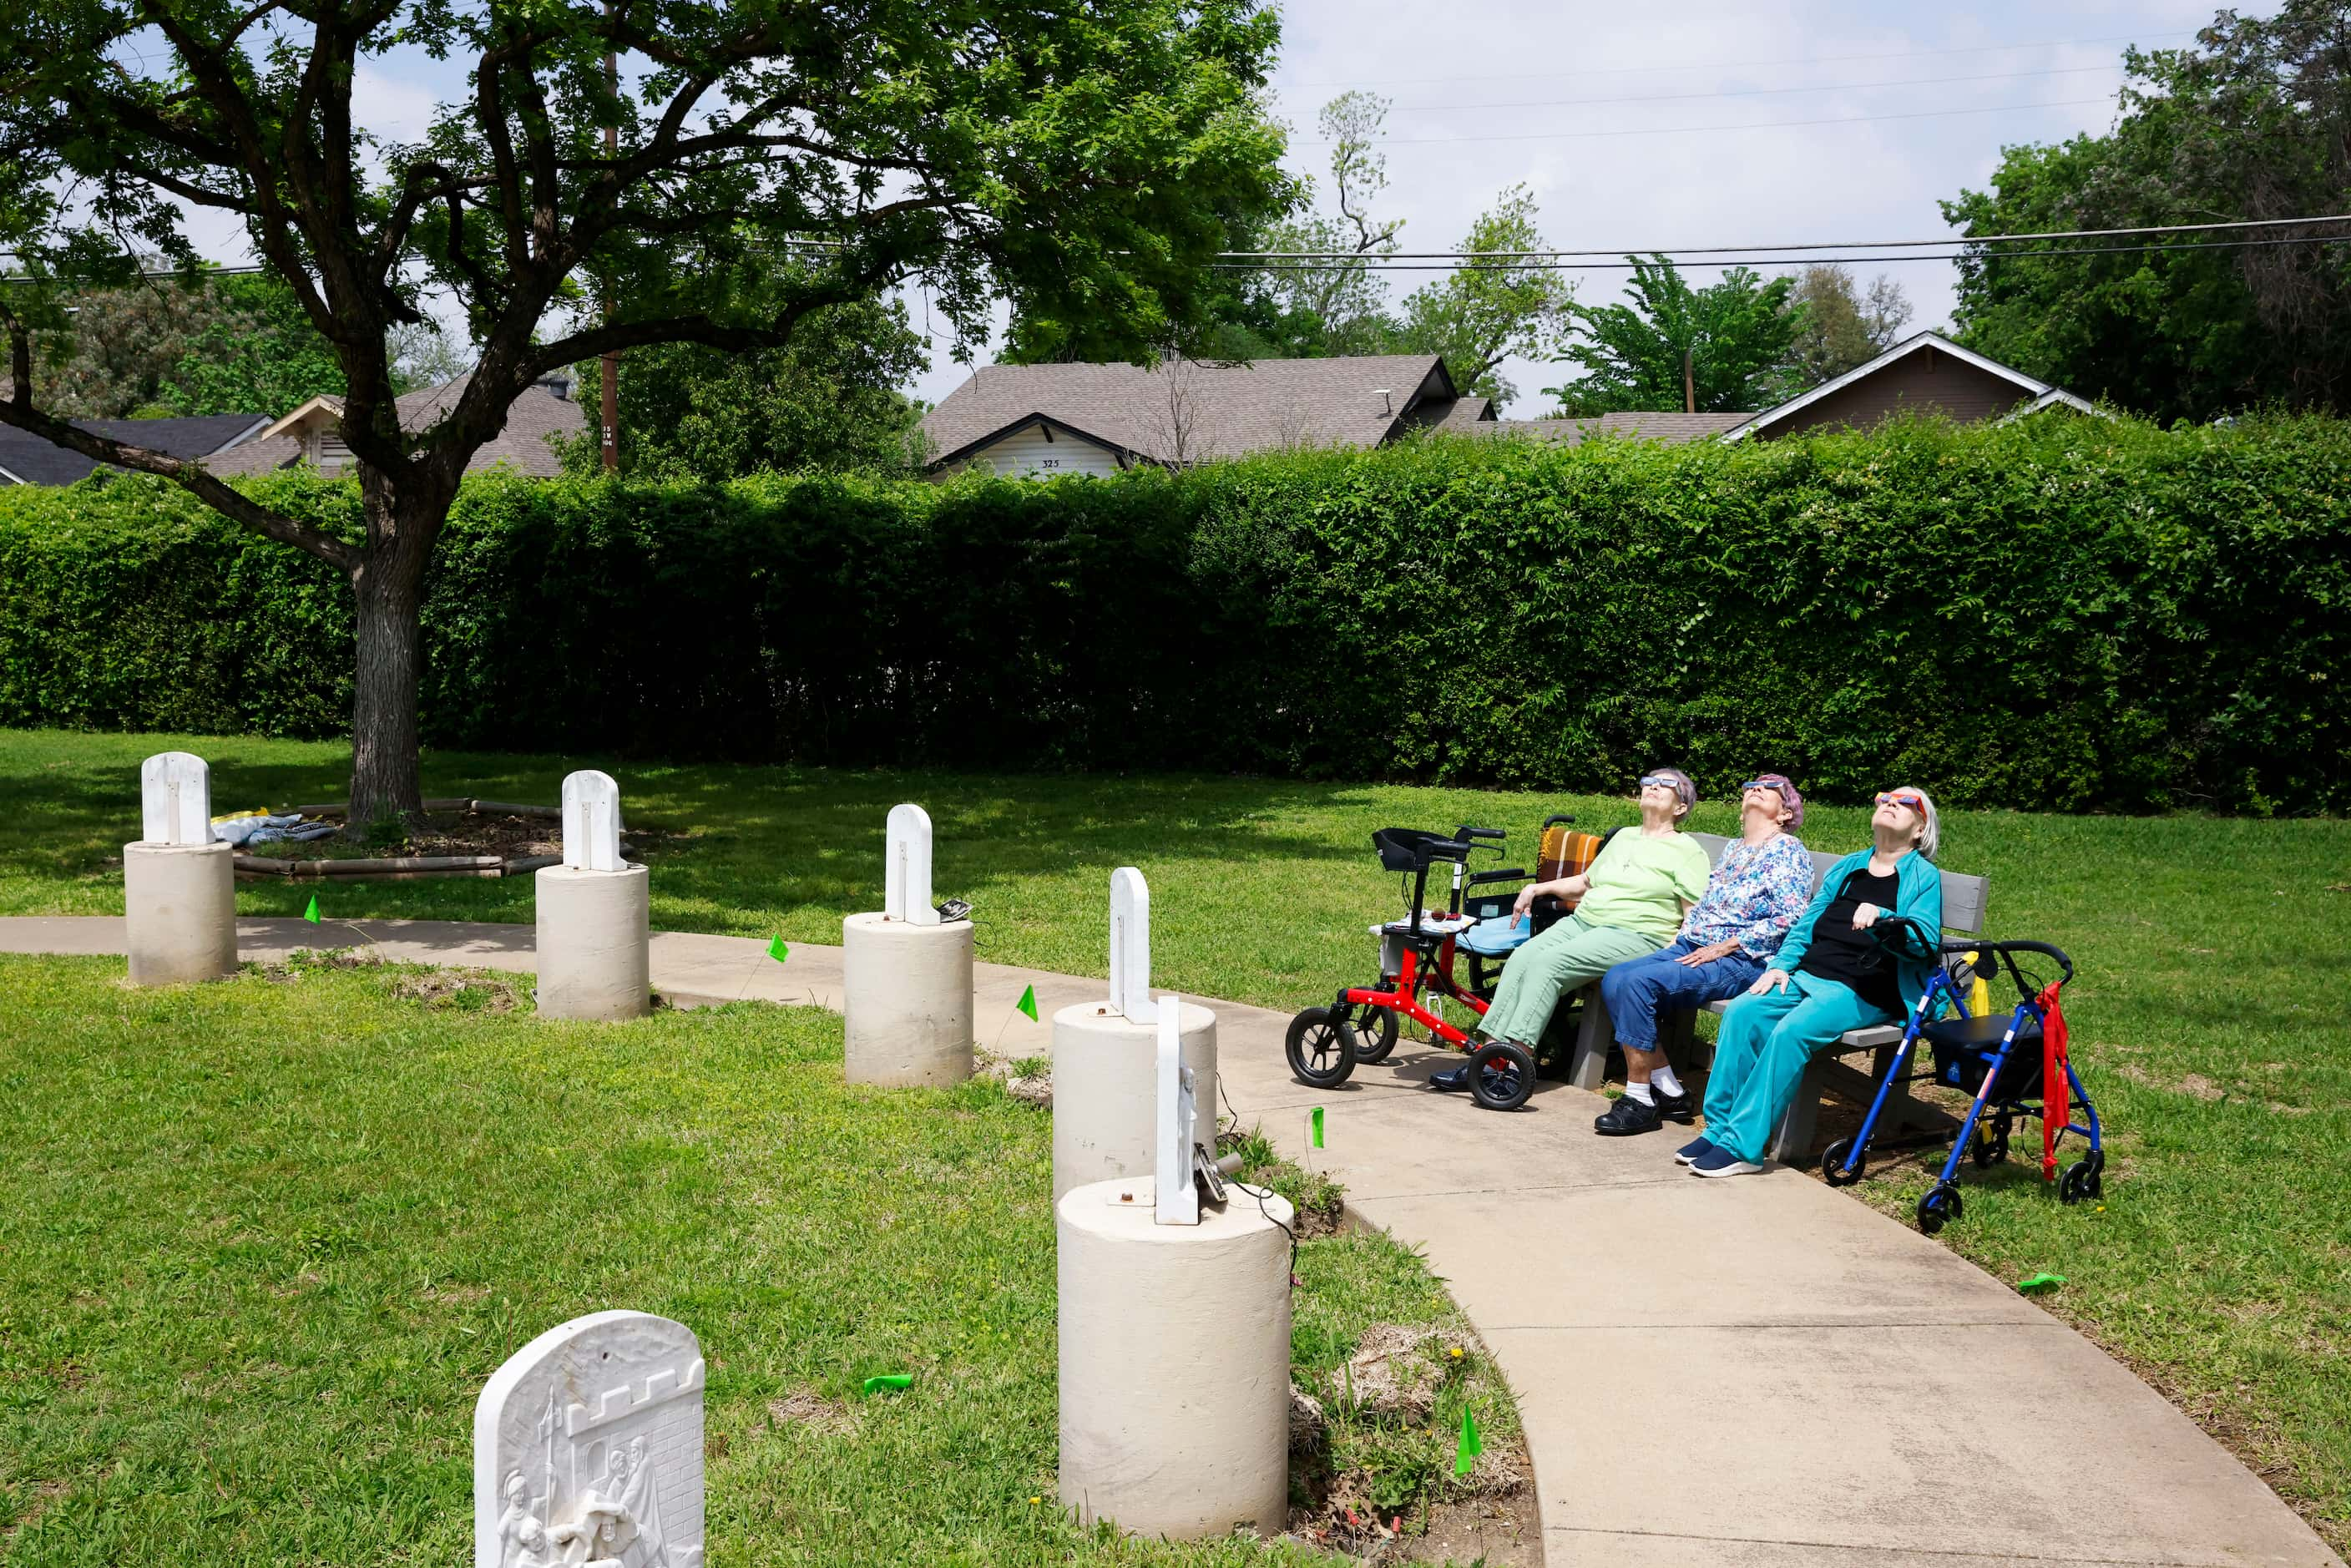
{"x": 1175, "y": 1362}
{"x": 592, "y": 956}
{"x": 905, "y": 1001}
{"x": 1106, "y": 1091}
{"x": 180, "y": 903}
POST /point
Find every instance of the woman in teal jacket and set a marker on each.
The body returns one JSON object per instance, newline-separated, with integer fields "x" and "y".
{"x": 1844, "y": 966}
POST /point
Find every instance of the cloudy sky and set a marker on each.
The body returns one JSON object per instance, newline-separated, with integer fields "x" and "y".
{"x": 1711, "y": 122}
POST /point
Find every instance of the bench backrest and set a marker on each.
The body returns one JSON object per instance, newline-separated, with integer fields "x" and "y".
{"x": 1964, "y": 897}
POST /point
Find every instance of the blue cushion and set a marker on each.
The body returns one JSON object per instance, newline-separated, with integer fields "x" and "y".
{"x": 1496, "y": 938}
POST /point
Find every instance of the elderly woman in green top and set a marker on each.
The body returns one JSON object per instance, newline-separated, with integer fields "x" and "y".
{"x": 1629, "y": 903}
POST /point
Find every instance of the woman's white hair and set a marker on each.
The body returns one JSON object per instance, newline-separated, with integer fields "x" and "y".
{"x": 1930, "y": 836}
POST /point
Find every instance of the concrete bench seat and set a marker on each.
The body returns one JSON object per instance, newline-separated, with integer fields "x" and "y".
{"x": 1964, "y": 900}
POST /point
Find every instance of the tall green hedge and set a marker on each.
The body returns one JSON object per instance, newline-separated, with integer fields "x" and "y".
{"x": 2067, "y": 612}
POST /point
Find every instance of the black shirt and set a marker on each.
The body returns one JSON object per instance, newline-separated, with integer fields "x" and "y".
{"x": 1852, "y": 957}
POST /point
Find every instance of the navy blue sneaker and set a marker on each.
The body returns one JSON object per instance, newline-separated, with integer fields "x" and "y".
{"x": 1692, "y": 1152}
{"x": 1721, "y": 1162}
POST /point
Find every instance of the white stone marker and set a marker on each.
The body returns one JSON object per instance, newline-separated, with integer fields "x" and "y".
{"x": 588, "y": 1449}
{"x": 593, "y": 913}
{"x": 179, "y": 886}
{"x": 906, "y": 974}
{"x": 1105, "y": 1057}
{"x": 1175, "y": 1343}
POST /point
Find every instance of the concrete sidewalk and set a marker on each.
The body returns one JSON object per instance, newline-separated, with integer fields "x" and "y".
{"x": 1758, "y": 1372}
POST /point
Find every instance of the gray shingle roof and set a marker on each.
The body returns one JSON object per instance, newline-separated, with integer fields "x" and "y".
{"x": 1672, "y": 427}
{"x": 34, "y": 461}
{"x": 535, "y": 417}
{"x": 1222, "y": 411}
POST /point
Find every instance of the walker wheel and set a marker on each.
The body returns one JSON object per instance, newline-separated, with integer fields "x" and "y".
{"x": 1322, "y": 1049}
{"x": 1832, "y": 1164}
{"x": 1941, "y": 1206}
{"x": 1989, "y": 1149}
{"x": 2081, "y": 1179}
{"x": 1501, "y": 1075}
{"x": 1375, "y": 1033}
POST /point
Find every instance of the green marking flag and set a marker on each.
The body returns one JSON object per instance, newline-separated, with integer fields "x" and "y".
{"x": 893, "y": 1382}
{"x": 1465, "y": 1454}
{"x": 1027, "y": 1003}
{"x": 311, "y": 913}
{"x": 2041, "y": 1282}
{"x": 1315, "y": 1121}
{"x": 776, "y": 948}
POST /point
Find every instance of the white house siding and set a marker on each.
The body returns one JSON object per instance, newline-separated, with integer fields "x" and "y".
{"x": 1027, "y": 453}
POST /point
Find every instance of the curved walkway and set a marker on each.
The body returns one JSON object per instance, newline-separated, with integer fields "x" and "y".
{"x": 1749, "y": 1373}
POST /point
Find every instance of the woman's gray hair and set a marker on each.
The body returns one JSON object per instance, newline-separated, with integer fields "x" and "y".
{"x": 1930, "y": 837}
{"x": 1684, "y": 791}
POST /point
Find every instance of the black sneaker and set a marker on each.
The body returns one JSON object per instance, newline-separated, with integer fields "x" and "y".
{"x": 1627, "y": 1117}
{"x": 1674, "y": 1107}
{"x": 1452, "y": 1080}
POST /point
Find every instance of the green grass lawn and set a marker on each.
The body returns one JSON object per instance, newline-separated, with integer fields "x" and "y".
{"x": 2208, "y": 1017}
{"x": 266, "y": 1240}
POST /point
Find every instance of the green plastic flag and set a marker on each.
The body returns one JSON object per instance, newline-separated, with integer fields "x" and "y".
{"x": 1027, "y": 1003}
{"x": 776, "y": 948}
{"x": 1466, "y": 1453}
{"x": 2041, "y": 1282}
{"x": 1315, "y": 1121}
{"x": 311, "y": 913}
{"x": 892, "y": 1381}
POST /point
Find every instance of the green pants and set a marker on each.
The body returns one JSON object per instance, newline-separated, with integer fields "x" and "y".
{"x": 1760, "y": 1053}
{"x": 1571, "y": 954}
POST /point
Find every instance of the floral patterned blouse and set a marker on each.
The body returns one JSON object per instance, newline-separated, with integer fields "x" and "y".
{"x": 1754, "y": 896}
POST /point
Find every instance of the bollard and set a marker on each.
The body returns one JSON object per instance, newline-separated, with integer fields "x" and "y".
{"x": 179, "y": 886}
{"x": 906, "y": 974}
{"x": 593, "y": 913}
{"x": 1174, "y": 1337}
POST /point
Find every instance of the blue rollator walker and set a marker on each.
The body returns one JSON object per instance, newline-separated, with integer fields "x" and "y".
{"x": 2006, "y": 1063}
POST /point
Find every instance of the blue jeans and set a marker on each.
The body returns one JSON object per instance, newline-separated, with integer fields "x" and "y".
{"x": 1636, "y": 991}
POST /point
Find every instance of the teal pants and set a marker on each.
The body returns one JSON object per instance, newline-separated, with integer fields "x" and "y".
{"x": 1571, "y": 954}
{"x": 1761, "y": 1051}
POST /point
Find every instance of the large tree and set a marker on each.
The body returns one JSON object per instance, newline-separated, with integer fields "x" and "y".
{"x": 1500, "y": 305}
{"x": 1733, "y": 336}
{"x": 1840, "y": 324}
{"x": 2253, "y": 121}
{"x": 1082, "y": 162}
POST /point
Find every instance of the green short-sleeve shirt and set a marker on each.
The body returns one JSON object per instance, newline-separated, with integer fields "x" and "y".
{"x": 1638, "y": 882}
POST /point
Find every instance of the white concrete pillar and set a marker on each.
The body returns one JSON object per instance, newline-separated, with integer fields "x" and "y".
{"x": 906, "y": 975}
{"x": 179, "y": 887}
{"x": 1106, "y": 1090}
{"x": 1175, "y": 1361}
{"x": 594, "y": 911}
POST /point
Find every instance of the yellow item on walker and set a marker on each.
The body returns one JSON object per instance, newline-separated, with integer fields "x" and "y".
{"x": 1979, "y": 994}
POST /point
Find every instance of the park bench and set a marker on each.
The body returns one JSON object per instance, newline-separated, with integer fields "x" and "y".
{"x": 1964, "y": 898}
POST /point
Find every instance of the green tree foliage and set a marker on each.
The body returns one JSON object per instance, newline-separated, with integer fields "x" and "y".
{"x": 2253, "y": 121}
{"x": 1840, "y": 325}
{"x": 207, "y": 344}
{"x": 1736, "y": 331}
{"x": 828, "y": 400}
{"x": 1500, "y": 306}
{"x": 1080, "y": 161}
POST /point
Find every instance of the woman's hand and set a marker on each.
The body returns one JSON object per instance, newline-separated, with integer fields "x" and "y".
{"x": 1526, "y": 901}
{"x": 1708, "y": 953}
{"x": 1864, "y": 915}
{"x": 1767, "y": 980}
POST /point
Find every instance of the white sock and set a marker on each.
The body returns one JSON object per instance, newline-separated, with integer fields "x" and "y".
{"x": 1663, "y": 1077}
{"x": 1639, "y": 1091}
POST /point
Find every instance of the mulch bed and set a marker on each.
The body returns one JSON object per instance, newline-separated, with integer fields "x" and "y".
{"x": 453, "y": 838}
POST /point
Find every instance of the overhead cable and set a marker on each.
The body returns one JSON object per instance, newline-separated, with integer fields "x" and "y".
{"x": 1679, "y": 130}
{"x": 1739, "y": 92}
{"x": 1372, "y": 264}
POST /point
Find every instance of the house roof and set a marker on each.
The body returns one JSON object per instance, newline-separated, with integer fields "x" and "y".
{"x": 2040, "y": 392}
{"x": 1227, "y": 410}
{"x": 532, "y": 420}
{"x": 1673, "y": 427}
{"x": 30, "y": 459}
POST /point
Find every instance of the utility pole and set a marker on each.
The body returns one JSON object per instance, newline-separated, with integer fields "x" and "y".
{"x": 611, "y": 363}
{"x": 1689, "y": 386}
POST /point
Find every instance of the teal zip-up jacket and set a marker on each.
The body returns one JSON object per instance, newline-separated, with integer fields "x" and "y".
{"x": 1918, "y": 892}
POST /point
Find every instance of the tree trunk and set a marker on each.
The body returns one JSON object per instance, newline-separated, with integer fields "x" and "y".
{"x": 384, "y": 777}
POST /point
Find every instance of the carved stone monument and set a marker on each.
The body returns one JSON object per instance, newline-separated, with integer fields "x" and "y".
{"x": 905, "y": 973}
{"x": 179, "y": 887}
{"x": 1105, "y": 1057}
{"x": 588, "y": 1449}
{"x": 594, "y": 961}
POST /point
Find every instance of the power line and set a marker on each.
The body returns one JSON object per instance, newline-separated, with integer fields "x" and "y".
{"x": 1759, "y": 65}
{"x": 1820, "y": 245}
{"x": 1371, "y": 265}
{"x": 1741, "y": 93}
{"x": 1679, "y": 130}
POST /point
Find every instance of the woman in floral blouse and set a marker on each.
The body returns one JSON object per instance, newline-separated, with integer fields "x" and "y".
{"x": 1757, "y": 891}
